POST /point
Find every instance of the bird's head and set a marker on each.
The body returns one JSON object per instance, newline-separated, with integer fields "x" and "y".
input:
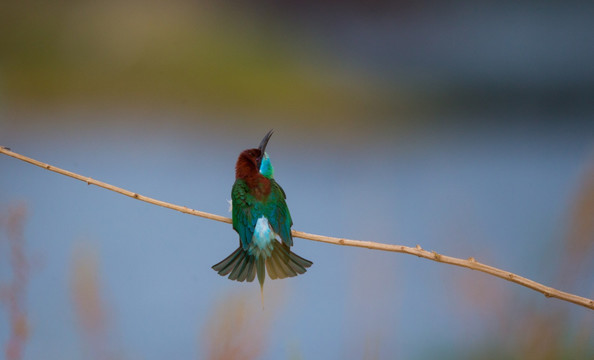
{"x": 255, "y": 160}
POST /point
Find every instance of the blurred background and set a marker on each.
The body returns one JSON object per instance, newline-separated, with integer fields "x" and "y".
{"x": 466, "y": 128}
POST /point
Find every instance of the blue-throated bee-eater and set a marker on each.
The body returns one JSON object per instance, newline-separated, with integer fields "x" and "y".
{"x": 262, "y": 220}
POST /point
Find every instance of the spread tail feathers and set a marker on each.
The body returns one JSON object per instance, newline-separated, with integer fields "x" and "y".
{"x": 240, "y": 265}
{"x": 281, "y": 263}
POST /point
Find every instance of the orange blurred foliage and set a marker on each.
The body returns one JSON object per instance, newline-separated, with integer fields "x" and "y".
{"x": 238, "y": 327}
{"x": 13, "y": 294}
{"x": 90, "y": 309}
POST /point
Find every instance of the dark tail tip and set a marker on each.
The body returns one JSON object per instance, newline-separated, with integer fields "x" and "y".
{"x": 284, "y": 263}
{"x": 239, "y": 266}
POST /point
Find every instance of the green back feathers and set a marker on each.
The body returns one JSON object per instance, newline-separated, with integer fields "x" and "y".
{"x": 247, "y": 209}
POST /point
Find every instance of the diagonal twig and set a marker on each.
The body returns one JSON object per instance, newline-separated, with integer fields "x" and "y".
{"x": 469, "y": 263}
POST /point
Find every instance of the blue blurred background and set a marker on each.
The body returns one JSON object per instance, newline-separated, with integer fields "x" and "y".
{"x": 466, "y": 128}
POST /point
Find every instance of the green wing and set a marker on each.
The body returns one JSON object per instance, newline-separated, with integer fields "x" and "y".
{"x": 278, "y": 213}
{"x": 244, "y": 212}
{"x": 247, "y": 210}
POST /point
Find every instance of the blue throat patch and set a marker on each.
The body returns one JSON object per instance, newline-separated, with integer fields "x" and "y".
{"x": 266, "y": 168}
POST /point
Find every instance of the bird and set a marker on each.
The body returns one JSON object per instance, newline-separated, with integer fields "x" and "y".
{"x": 262, "y": 219}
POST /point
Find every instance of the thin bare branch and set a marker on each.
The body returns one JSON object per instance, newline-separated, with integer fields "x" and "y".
{"x": 107, "y": 186}
{"x": 469, "y": 263}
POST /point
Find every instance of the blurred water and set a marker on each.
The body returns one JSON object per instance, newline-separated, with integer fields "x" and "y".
{"x": 501, "y": 194}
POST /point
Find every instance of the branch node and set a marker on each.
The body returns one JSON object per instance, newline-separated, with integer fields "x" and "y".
{"x": 471, "y": 259}
{"x": 341, "y": 241}
{"x": 436, "y": 255}
{"x": 135, "y": 195}
{"x": 418, "y": 247}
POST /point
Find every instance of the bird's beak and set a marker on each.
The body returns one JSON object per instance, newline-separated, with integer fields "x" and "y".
{"x": 263, "y": 144}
